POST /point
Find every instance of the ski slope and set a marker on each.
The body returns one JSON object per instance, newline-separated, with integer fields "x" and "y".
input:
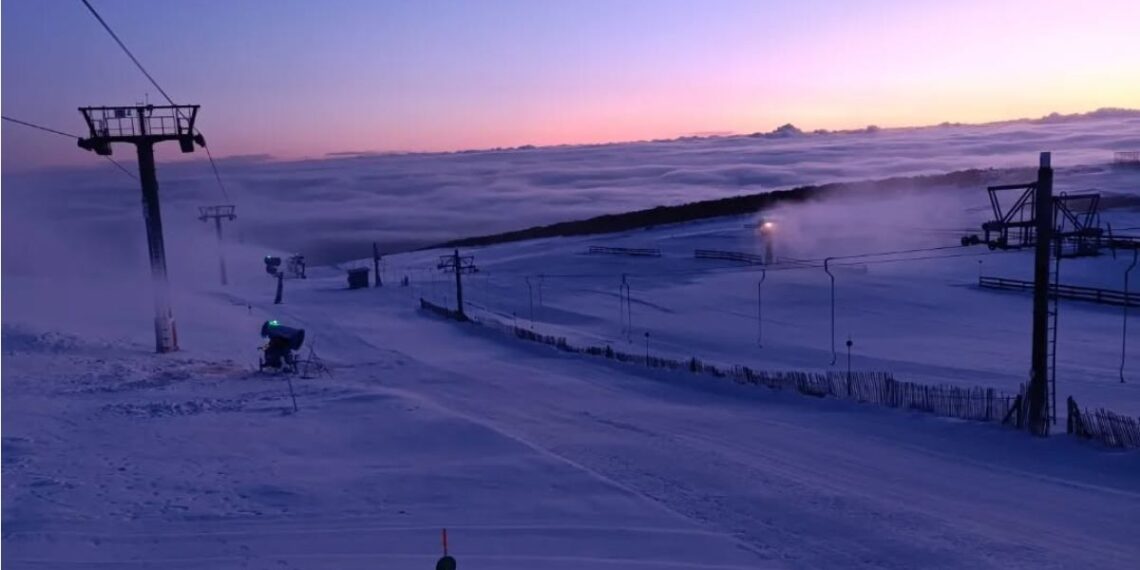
{"x": 116, "y": 457}
{"x": 918, "y": 314}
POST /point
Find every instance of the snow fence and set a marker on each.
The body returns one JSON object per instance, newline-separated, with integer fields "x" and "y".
{"x": 1103, "y": 426}
{"x": 878, "y": 388}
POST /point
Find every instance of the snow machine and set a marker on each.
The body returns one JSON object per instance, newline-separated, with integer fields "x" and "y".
{"x": 272, "y": 264}
{"x": 296, "y": 267}
{"x": 279, "y": 352}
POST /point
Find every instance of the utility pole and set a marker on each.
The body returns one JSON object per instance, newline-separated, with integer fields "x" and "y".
{"x": 1039, "y": 371}
{"x": 218, "y": 213}
{"x": 459, "y": 265}
{"x": 831, "y": 276}
{"x": 530, "y": 298}
{"x": 1124, "y": 328}
{"x": 144, "y": 126}
{"x": 376, "y": 263}
{"x": 849, "y": 344}
{"x": 626, "y": 308}
{"x": 759, "y": 308}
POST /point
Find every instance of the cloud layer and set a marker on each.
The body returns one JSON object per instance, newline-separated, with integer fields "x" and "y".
{"x": 334, "y": 208}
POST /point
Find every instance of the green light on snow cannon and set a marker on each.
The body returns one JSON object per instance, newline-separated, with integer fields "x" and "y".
{"x": 273, "y": 323}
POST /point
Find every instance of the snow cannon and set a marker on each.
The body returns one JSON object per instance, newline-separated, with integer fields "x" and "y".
{"x": 296, "y": 266}
{"x": 289, "y": 336}
{"x": 272, "y": 264}
{"x": 277, "y": 354}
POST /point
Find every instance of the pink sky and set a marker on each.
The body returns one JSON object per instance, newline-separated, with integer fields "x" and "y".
{"x": 436, "y": 75}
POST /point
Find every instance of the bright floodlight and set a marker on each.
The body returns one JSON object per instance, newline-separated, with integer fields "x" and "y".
{"x": 768, "y": 225}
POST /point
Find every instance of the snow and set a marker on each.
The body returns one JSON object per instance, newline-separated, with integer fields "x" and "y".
{"x": 116, "y": 457}
{"x": 920, "y": 316}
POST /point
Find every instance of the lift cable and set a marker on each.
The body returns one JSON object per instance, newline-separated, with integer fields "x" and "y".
{"x": 70, "y": 136}
{"x": 138, "y": 64}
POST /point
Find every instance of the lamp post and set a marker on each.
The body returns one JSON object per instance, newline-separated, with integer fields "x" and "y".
{"x": 849, "y": 344}
{"x": 766, "y": 230}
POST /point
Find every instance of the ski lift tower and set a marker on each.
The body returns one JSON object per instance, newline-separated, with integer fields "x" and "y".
{"x": 144, "y": 126}
{"x": 218, "y": 213}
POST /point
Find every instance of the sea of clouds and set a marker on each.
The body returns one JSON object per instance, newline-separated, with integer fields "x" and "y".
{"x": 334, "y": 208}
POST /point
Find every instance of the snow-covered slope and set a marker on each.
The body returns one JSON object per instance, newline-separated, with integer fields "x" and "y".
{"x": 114, "y": 456}
{"x": 918, "y": 314}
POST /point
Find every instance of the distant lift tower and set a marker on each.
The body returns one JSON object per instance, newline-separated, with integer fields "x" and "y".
{"x": 143, "y": 126}
{"x": 218, "y": 213}
{"x": 458, "y": 264}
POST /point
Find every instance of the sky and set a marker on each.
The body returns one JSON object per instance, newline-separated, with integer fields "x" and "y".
{"x": 297, "y": 79}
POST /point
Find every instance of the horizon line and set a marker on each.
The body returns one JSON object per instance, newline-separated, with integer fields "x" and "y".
{"x": 785, "y": 130}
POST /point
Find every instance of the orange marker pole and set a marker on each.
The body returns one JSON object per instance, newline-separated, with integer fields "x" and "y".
{"x": 444, "y": 533}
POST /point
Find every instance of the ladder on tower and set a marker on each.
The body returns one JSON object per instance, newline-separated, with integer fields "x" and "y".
{"x": 1054, "y": 306}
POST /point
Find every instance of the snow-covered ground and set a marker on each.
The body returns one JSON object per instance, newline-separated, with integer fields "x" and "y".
{"x": 116, "y": 457}
{"x": 919, "y": 315}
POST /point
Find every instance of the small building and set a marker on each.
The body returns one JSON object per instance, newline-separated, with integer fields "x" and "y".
{"x": 358, "y": 278}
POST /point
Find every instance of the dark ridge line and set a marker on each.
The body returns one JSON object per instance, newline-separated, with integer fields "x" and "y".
{"x": 723, "y": 207}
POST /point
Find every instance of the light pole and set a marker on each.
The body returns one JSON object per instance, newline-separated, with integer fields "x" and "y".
{"x": 530, "y": 297}
{"x": 849, "y": 344}
{"x": 759, "y": 309}
{"x": 831, "y": 276}
{"x": 766, "y": 230}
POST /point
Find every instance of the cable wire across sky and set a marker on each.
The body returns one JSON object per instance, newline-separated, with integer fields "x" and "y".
{"x": 70, "y": 136}
{"x": 169, "y": 99}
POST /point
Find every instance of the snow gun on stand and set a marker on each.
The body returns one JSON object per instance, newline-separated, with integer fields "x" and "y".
{"x": 279, "y": 352}
{"x": 273, "y": 267}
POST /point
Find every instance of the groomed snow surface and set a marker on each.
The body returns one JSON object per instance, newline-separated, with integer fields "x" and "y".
{"x": 114, "y": 457}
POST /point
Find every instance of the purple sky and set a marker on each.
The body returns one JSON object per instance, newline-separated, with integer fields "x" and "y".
{"x": 304, "y": 78}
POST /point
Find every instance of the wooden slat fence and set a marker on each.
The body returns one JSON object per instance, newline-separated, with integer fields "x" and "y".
{"x": 878, "y": 388}
{"x": 739, "y": 256}
{"x": 1103, "y": 426}
{"x": 1094, "y": 294}
{"x": 633, "y": 251}
{"x": 440, "y": 311}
